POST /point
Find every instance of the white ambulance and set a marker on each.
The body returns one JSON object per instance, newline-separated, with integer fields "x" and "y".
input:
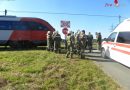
{"x": 117, "y": 45}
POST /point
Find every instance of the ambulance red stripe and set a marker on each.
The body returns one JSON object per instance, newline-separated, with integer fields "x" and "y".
{"x": 122, "y": 51}
{"x": 118, "y": 44}
{"x": 123, "y": 45}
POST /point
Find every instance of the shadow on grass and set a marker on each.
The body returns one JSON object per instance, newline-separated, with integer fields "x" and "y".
{"x": 63, "y": 51}
{"x": 21, "y": 49}
{"x": 100, "y": 60}
{"x": 2, "y": 48}
{"x": 96, "y": 56}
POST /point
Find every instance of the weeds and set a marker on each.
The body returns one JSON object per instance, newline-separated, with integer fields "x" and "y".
{"x": 42, "y": 70}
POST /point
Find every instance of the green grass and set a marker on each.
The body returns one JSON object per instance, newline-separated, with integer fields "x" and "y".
{"x": 42, "y": 70}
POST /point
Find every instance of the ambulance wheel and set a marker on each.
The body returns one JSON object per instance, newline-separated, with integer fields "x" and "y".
{"x": 103, "y": 54}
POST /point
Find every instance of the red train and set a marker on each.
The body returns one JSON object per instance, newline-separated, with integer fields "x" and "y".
{"x": 23, "y": 31}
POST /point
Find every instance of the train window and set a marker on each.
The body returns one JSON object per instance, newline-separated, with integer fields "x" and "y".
{"x": 20, "y": 25}
{"x": 5, "y": 25}
{"x": 36, "y": 26}
{"x": 124, "y": 37}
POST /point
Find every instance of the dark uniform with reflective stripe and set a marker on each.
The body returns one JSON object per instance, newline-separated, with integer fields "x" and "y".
{"x": 82, "y": 42}
{"x": 90, "y": 42}
{"x": 99, "y": 41}
{"x": 57, "y": 42}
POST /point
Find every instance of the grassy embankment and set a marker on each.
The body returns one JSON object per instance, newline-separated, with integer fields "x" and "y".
{"x": 42, "y": 70}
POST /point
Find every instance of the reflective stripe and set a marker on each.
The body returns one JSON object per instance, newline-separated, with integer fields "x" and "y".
{"x": 68, "y": 39}
{"x": 122, "y": 51}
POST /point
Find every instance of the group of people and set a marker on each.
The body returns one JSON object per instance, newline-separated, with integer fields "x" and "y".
{"x": 53, "y": 41}
{"x": 74, "y": 43}
{"x": 78, "y": 43}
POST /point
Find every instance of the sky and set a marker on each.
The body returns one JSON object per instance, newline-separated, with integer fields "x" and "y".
{"x": 77, "y": 22}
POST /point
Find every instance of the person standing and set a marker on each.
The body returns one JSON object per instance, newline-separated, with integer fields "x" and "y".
{"x": 83, "y": 39}
{"x": 57, "y": 42}
{"x": 90, "y": 42}
{"x": 77, "y": 42}
{"x": 70, "y": 45}
{"x": 99, "y": 41}
{"x": 86, "y": 45}
{"x": 65, "y": 43}
{"x": 49, "y": 40}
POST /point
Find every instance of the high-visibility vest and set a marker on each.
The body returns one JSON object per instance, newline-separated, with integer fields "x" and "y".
{"x": 68, "y": 39}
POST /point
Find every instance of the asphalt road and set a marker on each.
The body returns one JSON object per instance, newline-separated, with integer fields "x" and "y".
{"x": 118, "y": 72}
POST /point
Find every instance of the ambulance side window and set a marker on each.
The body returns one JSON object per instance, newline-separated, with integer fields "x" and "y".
{"x": 112, "y": 37}
{"x": 124, "y": 37}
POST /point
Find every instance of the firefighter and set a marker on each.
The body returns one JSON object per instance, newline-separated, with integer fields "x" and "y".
{"x": 99, "y": 41}
{"x": 53, "y": 34}
{"x": 77, "y": 42}
{"x": 49, "y": 40}
{"x": 57, "y": 42}
{"x": 82, "y": 43}
{"x": 73, "y": 38}
{"x": 65, "y": 42}
{"x": 90, "y": 42}
{"x": 96, "y": 40}
{"x": 86, "y": 45}
{"x": 70, "y": 45}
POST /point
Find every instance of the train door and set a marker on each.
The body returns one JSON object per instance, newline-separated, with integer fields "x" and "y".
{"x": 21, "y": 31}
{"x": 20, "y": 36}
{"x": 38, "y": 32}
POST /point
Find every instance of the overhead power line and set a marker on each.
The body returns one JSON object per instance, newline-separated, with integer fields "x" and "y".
{"x": 75, "y": 14}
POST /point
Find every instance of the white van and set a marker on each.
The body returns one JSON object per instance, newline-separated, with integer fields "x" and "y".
{"x": 117, "y": 45}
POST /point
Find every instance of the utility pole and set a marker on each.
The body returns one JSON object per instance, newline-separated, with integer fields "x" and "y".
{"x": 119, "y": 19}
{"x": 112, "y": 27}
{"x": 5, "y": 12}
